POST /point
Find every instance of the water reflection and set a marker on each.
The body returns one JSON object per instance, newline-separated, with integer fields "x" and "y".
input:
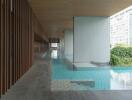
{"x": 121, "y": 80}
{"x": 54, "y": 54}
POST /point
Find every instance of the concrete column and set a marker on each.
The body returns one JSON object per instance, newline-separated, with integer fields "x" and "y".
{"x": 68, "y": 44}
{"x": 91, "y": 39}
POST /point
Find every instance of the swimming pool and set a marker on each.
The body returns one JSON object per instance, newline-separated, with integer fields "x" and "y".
{"x": 93, "y": 78}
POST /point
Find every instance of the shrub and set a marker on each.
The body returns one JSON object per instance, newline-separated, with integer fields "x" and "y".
{"x": 114, "y": 60}
{"x": 121, "y": 56}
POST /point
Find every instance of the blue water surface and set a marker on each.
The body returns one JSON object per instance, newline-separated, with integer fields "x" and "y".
{"x": 106, "y": 78}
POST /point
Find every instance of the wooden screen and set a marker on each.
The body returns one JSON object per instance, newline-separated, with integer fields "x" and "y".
{"x": 17, "y": 27}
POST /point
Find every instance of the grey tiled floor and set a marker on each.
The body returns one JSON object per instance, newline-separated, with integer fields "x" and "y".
{"x": 35, "y": 85}
{"x": 87, "y": 95}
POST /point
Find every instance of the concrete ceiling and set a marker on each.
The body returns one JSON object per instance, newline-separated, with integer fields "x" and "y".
{"x": 57, "y": 15}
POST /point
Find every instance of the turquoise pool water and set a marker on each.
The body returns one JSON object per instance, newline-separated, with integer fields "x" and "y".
{"x": 103, "y": 78}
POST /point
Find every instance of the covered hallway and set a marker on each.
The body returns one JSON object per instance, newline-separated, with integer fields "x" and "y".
{"x": 27, "y": 27}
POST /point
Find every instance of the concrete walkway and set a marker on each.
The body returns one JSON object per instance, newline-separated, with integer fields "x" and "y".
{"x": 36, "y": 84}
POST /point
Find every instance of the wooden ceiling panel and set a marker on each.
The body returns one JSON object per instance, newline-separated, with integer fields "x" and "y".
{"x": 57, "y": 15}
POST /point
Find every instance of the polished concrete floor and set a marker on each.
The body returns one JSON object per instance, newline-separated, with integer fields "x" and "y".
{"x": 36, "y": 85}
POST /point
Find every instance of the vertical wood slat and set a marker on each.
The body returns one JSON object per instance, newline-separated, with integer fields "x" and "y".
{"x": 7, "y": 43}
{"x": 8, "y": 57}
{"x": 21, "y": 38}
{"x": 13, "y": 43}
{"x": 18, "y": 6}
{"x": 10, "y": 43}
{"x": 16, "y": 42}
{"x": 0, "y": 50}
{"x": 2, "y": 43}
{"x": 4, "y": 46}
{"x": 15, "y": 38}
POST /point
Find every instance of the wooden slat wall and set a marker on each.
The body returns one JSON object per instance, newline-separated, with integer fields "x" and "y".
{"x": 0, "y": 49}
{"x": 17, "y": 27}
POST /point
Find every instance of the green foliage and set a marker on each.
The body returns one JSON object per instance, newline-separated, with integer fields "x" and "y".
{"x": 115, "y": 60}
{"x": 121, "y": 56}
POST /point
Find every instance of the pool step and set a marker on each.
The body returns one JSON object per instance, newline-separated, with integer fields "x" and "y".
{"x": 89, "y": 83}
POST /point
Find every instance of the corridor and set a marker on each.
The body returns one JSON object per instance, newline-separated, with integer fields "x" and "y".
{"x": 80, "y": 30}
